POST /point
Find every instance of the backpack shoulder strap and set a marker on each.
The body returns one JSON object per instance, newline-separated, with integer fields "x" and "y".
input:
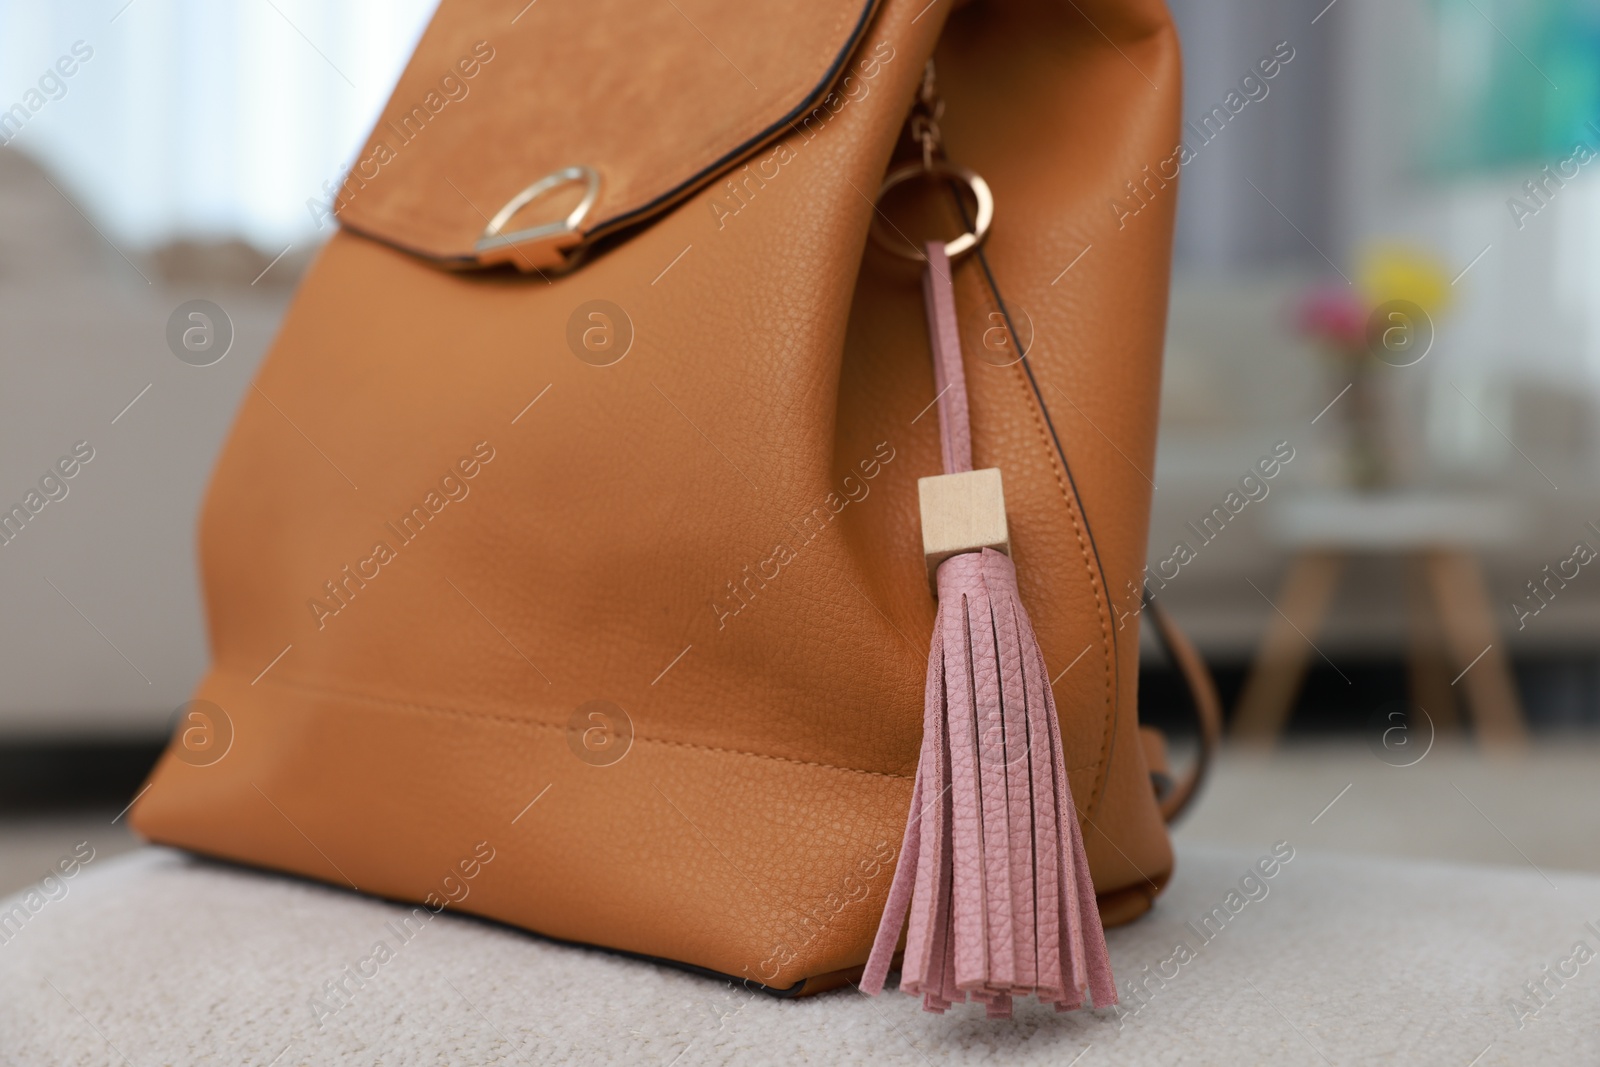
{"x": 1175, "y": 795}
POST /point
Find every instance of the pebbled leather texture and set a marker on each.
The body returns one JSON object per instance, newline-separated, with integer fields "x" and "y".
{"x": 647, "y": 94}
{"x": 717, "y": 533}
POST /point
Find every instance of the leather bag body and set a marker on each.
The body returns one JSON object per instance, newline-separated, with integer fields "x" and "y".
{"x": 449, "y": 519}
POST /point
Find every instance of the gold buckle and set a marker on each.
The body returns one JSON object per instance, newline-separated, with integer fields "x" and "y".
{"x": 544, "y": 245}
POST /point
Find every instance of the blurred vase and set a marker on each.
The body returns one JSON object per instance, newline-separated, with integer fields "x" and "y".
{"x": 1336, "y": 318}
{"x": 1368, "y": 453}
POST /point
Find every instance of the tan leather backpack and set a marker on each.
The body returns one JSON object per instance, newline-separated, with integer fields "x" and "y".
{"x": 563, "y": 567}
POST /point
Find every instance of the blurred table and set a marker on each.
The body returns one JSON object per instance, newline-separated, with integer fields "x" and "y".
{"x": 1452, "y": 634}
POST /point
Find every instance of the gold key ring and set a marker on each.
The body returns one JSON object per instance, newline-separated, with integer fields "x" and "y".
{"x": 896, "y": 243}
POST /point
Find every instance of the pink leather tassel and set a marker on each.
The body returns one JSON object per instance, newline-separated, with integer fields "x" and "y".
{"x": 992, "y": 886}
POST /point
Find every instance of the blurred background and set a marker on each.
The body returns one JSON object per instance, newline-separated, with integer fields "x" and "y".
{"x": 1386, "y": 250}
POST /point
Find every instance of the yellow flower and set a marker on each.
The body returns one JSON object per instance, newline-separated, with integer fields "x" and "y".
{"x": 1393, "y": 271}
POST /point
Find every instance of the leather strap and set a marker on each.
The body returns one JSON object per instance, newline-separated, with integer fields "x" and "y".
{"x": 1202, "y": 695}
{"x": 949, "y": 375}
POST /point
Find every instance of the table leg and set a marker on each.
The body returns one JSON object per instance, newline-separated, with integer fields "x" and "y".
{"x": 1428, "y": 663}
{"x": 1280, "y": 663}
{"x": 1462, "y": 596}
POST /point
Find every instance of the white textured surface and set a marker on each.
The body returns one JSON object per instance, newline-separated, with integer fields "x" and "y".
{"x": 1457, "y": 804}
{"x": 1346, "y": 960}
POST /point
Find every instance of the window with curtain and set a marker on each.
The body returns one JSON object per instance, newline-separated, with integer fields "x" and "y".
{"x": 199, "y": 119}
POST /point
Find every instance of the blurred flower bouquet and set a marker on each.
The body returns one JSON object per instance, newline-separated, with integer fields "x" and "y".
{"x": 1381, "y": 323}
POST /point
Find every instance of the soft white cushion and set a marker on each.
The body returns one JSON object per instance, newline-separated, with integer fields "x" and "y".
{"x": 166, "y": 959}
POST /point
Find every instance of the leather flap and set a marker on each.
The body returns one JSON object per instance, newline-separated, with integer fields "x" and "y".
{"x": 647, "y": 99}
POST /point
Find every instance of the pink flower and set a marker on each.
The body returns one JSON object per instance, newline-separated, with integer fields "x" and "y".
{"x": 1334, "y": 314}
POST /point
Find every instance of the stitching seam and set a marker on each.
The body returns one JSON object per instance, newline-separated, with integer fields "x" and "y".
{"x": 1103, "y": 767}
{"x": 431, "y": 709}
